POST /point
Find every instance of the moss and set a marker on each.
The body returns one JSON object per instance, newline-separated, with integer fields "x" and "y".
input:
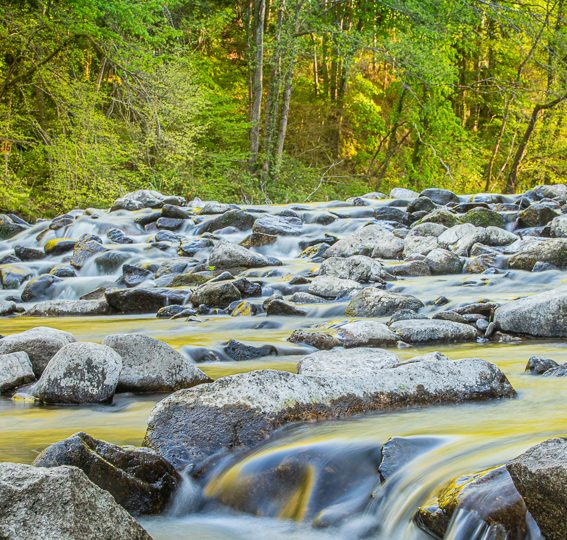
{"x": 483, "y": 217}
{"x": 442, "y": 216}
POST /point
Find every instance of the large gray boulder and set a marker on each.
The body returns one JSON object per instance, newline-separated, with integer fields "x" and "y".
{"x": 372, "y": 302}
{"x": 366, "y": 334}
{"x": 332, "y": 287}
{"x": 15, "y": 370}
{"x": 278, "y": 225}
{"x": 141, "y": 300}
{"x": 139, "y": 479}
{"x": 231, "y": 218}
{"x": 364, "y": 241}
{"x": 40, "y": 344}
{"x": 80, "y": 373}
{"x": 541, "y": 315}
{"x": 242, "y": 410}
{"x": 228, "y": 255}
{"x": 549, "y": 250}
{"x": 433, "y": 331}
{"x": 149, "y": 365}
{"x": 442, "y": 261}
{"x": 218, "y": 295}
{"x": 346, "y": 363}
{"x": 60, "y": 503}
{"x": 358, "y": 268}
{"x": 69, "y": 308}
{"x": 540, "y": 475}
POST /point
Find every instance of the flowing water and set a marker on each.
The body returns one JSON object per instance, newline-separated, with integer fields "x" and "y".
{"x": 468, "y": 437}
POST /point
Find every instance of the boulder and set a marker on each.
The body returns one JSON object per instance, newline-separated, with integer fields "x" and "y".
{"x": 118, "y": 237}
{"x": 140, "y": 480}
{"x": 397, "y": 452}
{"x": 372, "y": 302}
{"x": 276, "y": 306}
{"x": 80, "y": 373}
{"x": 15, "y": 370}
{"x": 536, "y": 215}
{"x": 39, "y": 287}
{"x": 132, "y": 276}
{"x": 218, "y": 295}
{"x": 439, "y": 215}
{"x": 419, "y": 245}
{"x": 483, "y": 217}
{"x": 231, "y": 218}
{"x": 558, "y": 227}
{"x": 25, "y": 253}
{"x": 433, "y": 331}
{"x": 149, "y": 365}
{"x": 9, "y": 227}
{"x": 541, "y": 315}
{"x": 241, "y": 351}
{"x": 410, "y": 268}
{"x": 319, "y": 340}
{"x": 69, "y": 308}
{"x": 537, "y": 365}
{"x": 58, "y": 246}
{"x": 40, "y": 344}
{"x": 12, "y": 276}
{"x": 440, "y": 196}
{"x": 273, "y": 225}
{"x": 87, "y": 246}
{"x": 358, "y": 268}
{"x": 333, "y": 287}
{"x": 7, "y": 307}
{"x": 141, "y": 300}
{"x": 549, "y": 250}
{"x": 61, "y": 503}
{"x": 242, "y": 410}
{"x": 403, "y": 194}
{"x": 540, "y": 475}
{"x": 366, "y": 334}
{"x": 442, "y": 261}
{"x": 228, "y": 255}
{"x": 364, "y": 241}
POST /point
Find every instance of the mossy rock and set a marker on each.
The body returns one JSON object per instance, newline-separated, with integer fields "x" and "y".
{"x": 440, "y": 215}
{"x": 56, "y": 246}
{"x": 191, "y": 278}
{"x": 483, "y": 217}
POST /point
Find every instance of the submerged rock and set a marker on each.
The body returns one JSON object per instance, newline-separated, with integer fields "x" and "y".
{"x": 15, "y": 370}
{"x": 140, "y": 480}
{"x": 39, "y": 287}
{"x": 61, "y": 503}
{"x": 244, "y": 409}
{"x": 149, "y": 365}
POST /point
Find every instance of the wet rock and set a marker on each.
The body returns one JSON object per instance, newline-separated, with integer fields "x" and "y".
{"x": 540, "y": 475}
{"x": 134, "y": 275}
{"x": 87, "y": 246}
{"x": 542, "y": 315}
{"x": 276, "y": 306}
{"x": 110, "y": 261}
{"x": 39, "y": 287}
{"x": 12, "y": 276}
{"x": 232, "y": 218}
{"x": 421, "y": 204}
{"x": 58, "y": 246}
{"x": 277, "y": 225}
{"x": 450, "y": 315}
{"x": 69, "y": 308}
{"x": 40, "y": 344}
{"x": 366, "y": 334}
{"x": 169, "y": 224}
{"x": 305, "y": 298}
{"x": 80, "y": 373}
{"x": 242, "y": 410}
{"x": 558, "y": 227}
{"x": 536, "y": 215}
{"x": 9, "y": 227}
{"x": 28, "y": 253}
{"x": 365, "y": 241}
{"x": 442, "y": 261}
{"x": 63, "y": 271}
{"x": 403, "y": 194}
{"x": 440, "y": 196}
{"x": 118, "y": 237}
{"x": 538, "y": 364}
{"x": 419, "y": 245}
{"x": 433, "y": 331}
{"x": 410, "y": 268}
{"x": 172, "y": 211}
{"x": 358, "y": 268}
{"x": 228, "y": 255}
{"x": 319, "y": 340}
{"x": 259, "y": 240}
{"x": 392, "y": 214}
{"x": 333, "y": 287}
{"x": 440, "y": 215}
{"x": 149, "y": 365}
{"x": 483, "y": 217}
{"x": 489, "y": 500}
{"x": 372, "y": 302}
{"x": 397, "y": 452}
{"x": 15, "y": 370}
{"x": 551, "y": 250}
{"x": 62, "y": 503}
{"x": 140, "y": 480}
{"x": 7, "y": 308}
{"x": 144, "y": 198}
{"x": 218, "y": 295}
{"x": 143, "y": 300}
{"x": 214, "y": 207}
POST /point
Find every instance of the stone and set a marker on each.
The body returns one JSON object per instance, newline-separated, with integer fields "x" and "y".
{"x": 483, "y": 217}
{"x": 318, "y": 340}
{"x": 397, "y": 452}
{"x": 432, "y": 331}
{"x": 58, "y": 246}
{"x": 63, "y": 271}
{"x": 440, "y": 196}
{"x": 87, "y": 246}
{"x": 276, "y": 306}
{"x": 442, "y": 261}
{"x": 392, "y": 214}
{"x": 109, "y": 262}
{"x": 80, "y": 373}
{"x": 140, "y": 480}
{"x": 358, "y": 268}
{"x": 365, "y": 241}
{"x": 419, "y": 245}
{"x": 403, "y": 194}
{"x": 134, "y": 275}
{"x": 239, "y": 411}
{"x": 143, "y": 198}
{"x": 410, "y": 268}
{"x": 7, "y": 308}
{"x": 15, "y": 370}
{"x": 12, "y": 276}
{"x": 439, "y": 215}
{"x": 227, "y": 255}
{"x": 371, "y": 302}
{"x": 218, "y": 295}
{"x": 540, "y": 315}
{"x": 366, "y": 334}
{"x": 421, "y": 204}
{"x": 537, "y": 365}
{"x": 40, "y": 344}
{"x": 240, "y": 351}
{"x": 169, "y": 224}
{"x": 69, "y": 308}
{"x": 214, "y": 207}
{"x": 540, "y": 475}
{"x": 273, "y": 225}
{"x": 150, "y": 365}
{"x": 60, "y": 503}
{"x": 118, "y": 237}
{"x": 305, "y": 298}
{"x": 9, "y": 227}
{"x": 39, "y": 287}
{"x": 536, "y": 215}
{"x": 549, "y": 250}
{"x": 25, "y": 253}
{"x": 173, "y": 211}
{"x": 231, "y": 218}
{"x": 140, "y": 300}
{"x": 333, "y": 287}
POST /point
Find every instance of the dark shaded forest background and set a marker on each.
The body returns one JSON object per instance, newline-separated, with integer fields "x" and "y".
{"x": 278, "y": 100}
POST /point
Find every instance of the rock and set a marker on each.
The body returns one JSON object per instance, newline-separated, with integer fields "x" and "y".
{"x": 149, "y": 365}
{"x": 365, "y": 241}
{"x": 218, "y": 295}
{"x": 270, "y": 224}
{"x": 228, "y": 255}
{"x": 140, "y": 480}
{"x": 403, "y": 194}
{"x": 550, "y": 250}
{"x": 134, "y": 275}
{"x": 175, "y": 212}
{"x": 541, "y": 315}
{"x": 7, "y": 308}
{"x": 421, "y": 204}
{"x": 144, "y": 198}
{"x": 276, "y": 306}
{"x": 63, "y": 271}
{"x": 319, "y": 340}
{"x": 240, "y": 351}
{"x": 440, "y": 215}
{"x": 366, "y": 334}
{"x": 40, "y": 344}
{"x": 371, "y": 302}
{"x": 410, "y": 268}
{"x": 392, "y": 214}
{"x": 80, "y": 373}
{"x": 483, "y": 217}
{"x": 9, "y": 227}
{"x": 242, "y": 410}
{"x": 60, "y": 503}
{"x": 143, "y": 300}
{"x": 333, "y": 287}
{"x": 169, "y": 224}
{"x": 397, "y": 452}
{"x": 489, "y": 499}
{"x": 39, "y": 287}
{"x": 441, "y": 262}
{"x": 69, "y": 308}
{"x": 559, "y": 371}
{"x": 231, "y": 218}
{"x": 110, "y": 261}
{"x": 358, "y": 268}
{"x": 440, "y": 196}
{"x": 536, "y": 215}
{"x": 305, "y": 298}
{"x": 419, "y": 245}
{"x": 12, "y": 276}
{"x": 15, "y": 370}
{"x": 118, "y": 237}
{"x": 28, "y": 253}
{"x": 558, "y": 227}
{"x": 537, "y": 365}
{"x": 87, "y": 246}
{"x": 432, "y": 331}
{"x": 452, "y": 235}
{"x": 58, "y": 246}
{"x": 540, "y": 475}
{"x": 214, "y": 207}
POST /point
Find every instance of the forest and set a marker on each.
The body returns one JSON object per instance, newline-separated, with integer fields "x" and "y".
{"x": 277, "y": 101}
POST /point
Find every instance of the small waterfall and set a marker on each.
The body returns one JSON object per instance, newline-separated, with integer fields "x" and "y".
{"x": 187, "y": 497}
